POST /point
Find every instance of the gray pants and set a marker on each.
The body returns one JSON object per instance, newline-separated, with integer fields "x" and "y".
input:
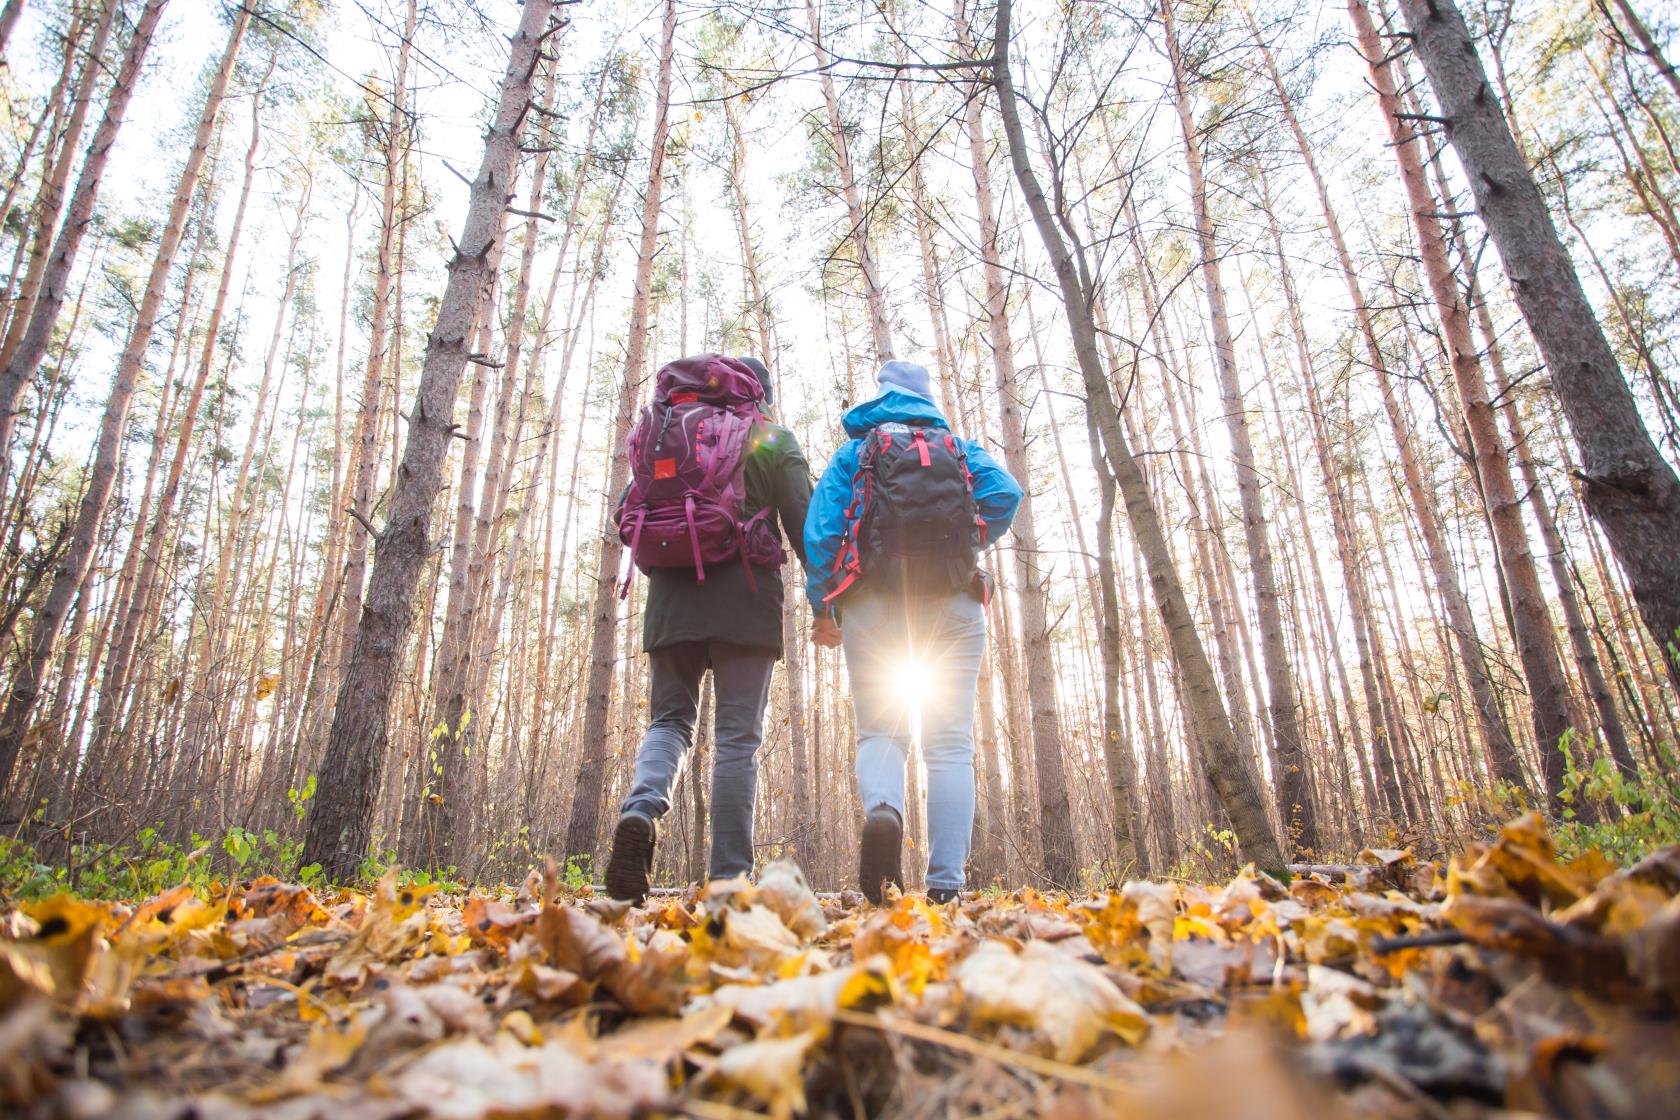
{"x": 741, "y": 685}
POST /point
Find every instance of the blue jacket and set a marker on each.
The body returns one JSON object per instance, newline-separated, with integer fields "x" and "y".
{"x": 995, "y": 492}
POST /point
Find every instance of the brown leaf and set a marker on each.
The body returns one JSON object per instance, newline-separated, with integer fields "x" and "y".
{"x": 34, "y": 1040}
{"x": 1067, "y": 1003}
{"x": 771, "y": 1070}
{"x": 782, "y": 887}
{"x": 654, "y": 979}
{"x": 665, "y": 1039}
{"x": 1653, "y": 952}
{"x": 805, "y": 1000}
{"x": 578, "y": 942}
{"x": 467, "y": 1080}
{"x": 492, "y": 922}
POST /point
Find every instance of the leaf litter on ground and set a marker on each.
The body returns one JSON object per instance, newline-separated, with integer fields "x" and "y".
{"x": 1505, "y": 982}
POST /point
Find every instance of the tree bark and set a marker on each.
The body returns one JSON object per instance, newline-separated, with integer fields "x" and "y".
{"x": 583, "y": 829}
{"x": 879, "y": 325}
{"x": 122, "y": 651}
{"x": 1648, "y": 45}
{"x": 1630, "y": 489}
{"x": 8, "y": 20}
{"x": 55, "y": 285}
{"x": 1501, "y": 751}
{"x": 365, "y": 448}
{"x": 1531, "y": 621}
{"x": 340, "y": 824}
{"x": 1225, "y": 767}
{"x": 102, "y": 478}
{"x": 1061, "y": 852}
{"x": 1294, "y": 787}
{"x": 49, "y": 201}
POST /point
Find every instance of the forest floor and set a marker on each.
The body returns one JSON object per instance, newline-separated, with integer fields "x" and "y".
{"x": 1502, "y": 983}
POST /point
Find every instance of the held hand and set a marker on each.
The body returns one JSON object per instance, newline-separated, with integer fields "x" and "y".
{"x": 825, "y": 632}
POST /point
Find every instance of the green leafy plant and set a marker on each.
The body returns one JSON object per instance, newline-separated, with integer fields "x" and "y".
{"x": 240, "y": 845}
{"x": 1638, "y": 815}
{"x": 299, "y": 798}
{"x": 579, "y": 873}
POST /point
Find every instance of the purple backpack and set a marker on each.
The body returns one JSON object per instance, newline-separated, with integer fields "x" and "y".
{"x": 688, "y": 455}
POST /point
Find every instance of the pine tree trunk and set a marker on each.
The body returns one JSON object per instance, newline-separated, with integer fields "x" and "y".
{"x": 1630, "y": 489}
{"x": 583, "y": 829}
{"x": 8, "y": 20}
{"x": 1226, "y": 770}
{"x": 365, "y": 449}
{"x": 1061, "y": 853}
{"x": 1580, "y": 640}
{"x": 879, "y": 324}
{"x": 102, "y": 479}
{"x": 1496, "y": 736}
{"x": 1294, "y": 790}
{"x": 55, "y": 285}
{"x": 139, "y": 600}
{"x": 340, "y": 824}
{"x": 1647, "y": 45}
{"x": 49, "y": 201}
{"x": 429, "y": 832}
{"x": 1531, "y": 621}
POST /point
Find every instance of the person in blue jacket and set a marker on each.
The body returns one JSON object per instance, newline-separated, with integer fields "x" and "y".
{"x": 905, "y": 650}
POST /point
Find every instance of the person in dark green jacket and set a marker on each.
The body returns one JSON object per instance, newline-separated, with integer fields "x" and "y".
{"x": 726, "y": 625}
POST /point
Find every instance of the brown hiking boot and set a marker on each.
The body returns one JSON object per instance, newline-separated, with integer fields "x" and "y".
{"x": 631, "y": 862}
{"x": 883, "y": 843}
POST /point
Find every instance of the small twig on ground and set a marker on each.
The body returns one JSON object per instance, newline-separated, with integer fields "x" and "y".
{"x": 1417, "y": 941}
{"x": 1002, "y": 1055}
{"x": 712, "y": 1110}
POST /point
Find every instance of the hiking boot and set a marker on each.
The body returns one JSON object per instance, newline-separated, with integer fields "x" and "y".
{"x": 939, "y": 896}
{"x": 631, "y": 862}
{"x": 883, "y": 842}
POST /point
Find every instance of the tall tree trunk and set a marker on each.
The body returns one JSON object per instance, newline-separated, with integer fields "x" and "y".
{"x": 1061, "y": 852}
{"x": 1648, "y": 45}
{"x": 8, "y": 20}
{"x": 583, "y": 829}
{"x": 1496, "y": 737}
{"x": 55, "y": 285}
{"x": 102, "y": 479}
{"x": 1531, "y": 621}
{"x": 879, "y": 325}
{"x": 340, "y": 824}
{"x": 365, "y": 448}
{"x": 1630, "y": 489}
{"x": 1225, "y": 767}
{"x": 1580, "y": 640}
{"x": 118, "y": 661}
{"x": 1129, "y": 850}
{"x": 430, "y": 830}
{"x": 49, "y": 201}
{"x": 1294, "y": 787}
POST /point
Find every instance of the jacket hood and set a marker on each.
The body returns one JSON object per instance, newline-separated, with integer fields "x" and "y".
{"x": 892, "y": 405}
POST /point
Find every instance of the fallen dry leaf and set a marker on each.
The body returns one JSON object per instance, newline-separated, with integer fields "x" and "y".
{"x": 1513, "y": 980}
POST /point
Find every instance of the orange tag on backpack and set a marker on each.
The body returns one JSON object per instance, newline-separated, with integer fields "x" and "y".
{"x": 664, "y": 468}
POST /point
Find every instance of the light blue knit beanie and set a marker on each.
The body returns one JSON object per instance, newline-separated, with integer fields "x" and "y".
{"x": 908, "y": 376}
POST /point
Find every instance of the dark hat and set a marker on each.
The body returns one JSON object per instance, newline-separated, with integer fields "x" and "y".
{"x": 763, "y": 376}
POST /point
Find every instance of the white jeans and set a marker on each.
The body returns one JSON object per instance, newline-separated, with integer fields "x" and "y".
{"x": 938, "y": 639}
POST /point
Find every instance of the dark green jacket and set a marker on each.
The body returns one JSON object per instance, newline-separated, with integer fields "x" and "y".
{"x": 725, "y": 608}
